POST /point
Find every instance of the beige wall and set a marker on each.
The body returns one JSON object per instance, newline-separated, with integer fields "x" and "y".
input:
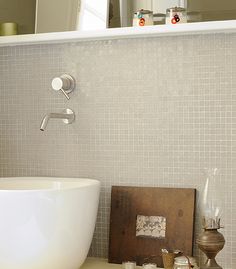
{"x": 207, "y": 5}
{"x": 19, "y": 11}
{"x": 56, "y": 15}
{"x": 214, "y": 9}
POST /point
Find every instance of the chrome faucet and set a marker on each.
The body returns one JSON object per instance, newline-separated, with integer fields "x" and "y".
{"x": 67, "y": 116}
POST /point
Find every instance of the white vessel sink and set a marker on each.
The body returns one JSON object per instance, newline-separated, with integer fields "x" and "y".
{"x": 46, "y": 223}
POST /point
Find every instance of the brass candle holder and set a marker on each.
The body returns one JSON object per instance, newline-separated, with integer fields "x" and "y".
{"x": 211, "y": 241}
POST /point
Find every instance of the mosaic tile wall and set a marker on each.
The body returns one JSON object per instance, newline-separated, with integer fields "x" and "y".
{"x": 149, "y": 112}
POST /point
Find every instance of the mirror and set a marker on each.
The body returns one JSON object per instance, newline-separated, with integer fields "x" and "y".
{"x": 41, "y": 16}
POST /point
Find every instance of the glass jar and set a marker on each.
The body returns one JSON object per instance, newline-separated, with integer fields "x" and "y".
{"x": 143, "y": 18}
{"x": 176, "y": 15}
{"x": 149, "y": 266}
{"x": 159, "y": 18}
{"x": 129, "y": 265}
{"x": 184, "y": 262}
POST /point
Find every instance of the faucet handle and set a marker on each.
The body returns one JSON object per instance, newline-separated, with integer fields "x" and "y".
{"x": 66, "y": 95}
{"x": 65, "y": 83}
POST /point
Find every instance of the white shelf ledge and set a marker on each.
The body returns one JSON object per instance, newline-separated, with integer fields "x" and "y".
{"x": 98, "y": 263}
{"x": 121, "y": 33}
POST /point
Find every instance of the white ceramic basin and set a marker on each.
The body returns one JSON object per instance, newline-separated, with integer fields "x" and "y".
{"x": 46, "y": 223}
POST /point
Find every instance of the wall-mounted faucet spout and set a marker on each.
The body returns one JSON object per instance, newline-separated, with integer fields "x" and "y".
{"x": 67, "y": 116}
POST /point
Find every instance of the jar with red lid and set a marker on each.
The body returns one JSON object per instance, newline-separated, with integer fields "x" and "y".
{"x": 176, "y": 15}
{"x": 143, "y": 18}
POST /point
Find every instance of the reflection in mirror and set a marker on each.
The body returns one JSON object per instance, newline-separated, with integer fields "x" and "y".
{"x": 214, "y": 10}
{"x": 199, "y": 10}
{"x": 20, "y": 11}
{"x": 56, "y": 15}
{"x": 71, "y": 15}
{"x": 41, "y": 16}
{"x": 93, "y": 15}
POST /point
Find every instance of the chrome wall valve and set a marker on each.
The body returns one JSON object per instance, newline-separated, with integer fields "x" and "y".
{"x": 65, "y": 83}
